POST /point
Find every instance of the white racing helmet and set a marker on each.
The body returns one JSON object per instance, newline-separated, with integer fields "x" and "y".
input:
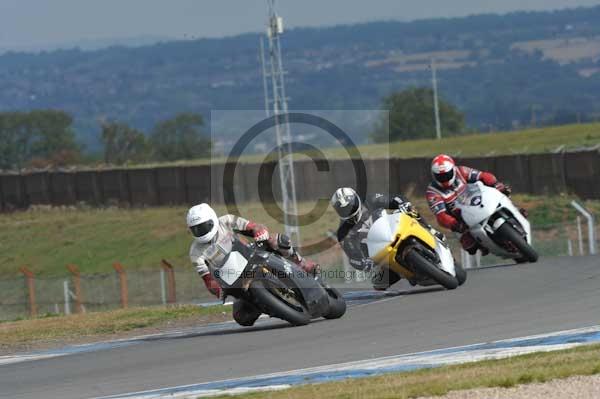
{"x": 203, "y": 222}
{"x": 347, "y": 204}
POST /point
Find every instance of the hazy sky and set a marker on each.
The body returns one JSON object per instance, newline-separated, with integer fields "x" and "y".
{"x": 38, "y": 22}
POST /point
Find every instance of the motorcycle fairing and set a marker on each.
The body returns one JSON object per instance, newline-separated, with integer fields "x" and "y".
{"x": 477, "y": 212}
{"x": 390, "y": 231}
{"x": 315, "y": 297}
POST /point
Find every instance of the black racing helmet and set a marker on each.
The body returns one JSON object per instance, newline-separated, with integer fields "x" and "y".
{"x": 347, "y": 204}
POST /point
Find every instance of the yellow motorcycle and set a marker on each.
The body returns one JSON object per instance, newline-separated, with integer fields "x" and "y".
{"x": 398, "y": 241}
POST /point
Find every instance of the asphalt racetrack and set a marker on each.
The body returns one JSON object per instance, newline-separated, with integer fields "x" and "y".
{"x": 496, "y": 303}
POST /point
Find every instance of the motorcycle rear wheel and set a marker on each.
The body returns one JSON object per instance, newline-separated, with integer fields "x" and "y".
{"x": 337, "y": 304}
{"x": 423, "y": 266}
{"x": 461, "y": 274}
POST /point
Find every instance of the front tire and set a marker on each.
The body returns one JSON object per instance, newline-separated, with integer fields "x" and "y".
{"x": 274, "y": 305}
{"x": 508, "y": 233}
{"x": 424, "y": 267}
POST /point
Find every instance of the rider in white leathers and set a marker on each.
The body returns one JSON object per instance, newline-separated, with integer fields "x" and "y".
{"x": 213, "y": 238}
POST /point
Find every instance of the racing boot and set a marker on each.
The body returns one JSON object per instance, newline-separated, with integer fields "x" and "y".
{"x": 437, "y": 234}
{"x": 383, "y": 278}
{"x": 245, "y": 313}
{"x": 468, "y": 243}
{"x": 309, "y": 267}
{"x": 283, "y": 245}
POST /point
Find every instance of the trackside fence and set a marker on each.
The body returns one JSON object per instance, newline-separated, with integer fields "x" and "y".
{"x": 75, "y": 292}
{"x": 538, "y": 174}
{"x": 33, "y": 295}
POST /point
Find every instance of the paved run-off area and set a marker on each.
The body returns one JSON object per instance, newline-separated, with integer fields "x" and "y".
{"x": 497, "y": 303}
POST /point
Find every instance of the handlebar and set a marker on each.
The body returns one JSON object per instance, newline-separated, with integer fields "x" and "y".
{"x": 253, "y": 245}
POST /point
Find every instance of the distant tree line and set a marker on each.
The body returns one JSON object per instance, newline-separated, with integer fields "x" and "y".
{"x": 46, "y": 138}
{"x": 37, "y": 138}
{"x": 351, "y": 67}
{"x": 411, "y": 116}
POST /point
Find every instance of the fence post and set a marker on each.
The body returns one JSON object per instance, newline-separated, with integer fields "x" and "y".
{"x": 569, "y": 247}
{"x": 591, "y": 227}
{"x": 170, "y": 271}
{"x": 30, "y": 284}
{"x": 67, "y": 297}
{"x": 123, "y": 280}
{"x": 579, "y": 236}
{"x": 77, "y": 285}
{"x": 163, "y": 289}
{"x": 465, "y": 259}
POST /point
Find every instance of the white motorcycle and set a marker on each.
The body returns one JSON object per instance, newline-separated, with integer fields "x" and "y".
{"x": 496, "y": 223}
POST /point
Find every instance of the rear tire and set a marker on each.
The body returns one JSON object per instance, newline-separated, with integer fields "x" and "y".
{"x": 337, "y": 304}
{"x": 384, "y": 278}
{"x": 461, "y": 274}
{"x": 424, "y": 267}
{"x": 508, "y": 233}
{"x": 275, "y": 306}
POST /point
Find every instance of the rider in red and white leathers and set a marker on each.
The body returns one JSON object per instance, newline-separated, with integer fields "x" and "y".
{"x": 449, "y": 180}
{"x": 213, "y": 239}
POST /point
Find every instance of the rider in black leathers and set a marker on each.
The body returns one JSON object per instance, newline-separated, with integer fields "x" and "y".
{"x": 356, "y": 220}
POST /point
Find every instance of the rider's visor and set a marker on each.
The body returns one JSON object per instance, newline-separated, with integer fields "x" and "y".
{"x": 348, "y": 210}
{"x": 445, "y": 177}
{"x": 202, "y": 229}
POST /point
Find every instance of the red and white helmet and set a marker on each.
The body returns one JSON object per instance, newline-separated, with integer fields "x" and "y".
{"x": 443, "y": 170}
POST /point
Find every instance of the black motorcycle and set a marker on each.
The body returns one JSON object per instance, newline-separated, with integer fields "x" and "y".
{"x": 276, "y": 286}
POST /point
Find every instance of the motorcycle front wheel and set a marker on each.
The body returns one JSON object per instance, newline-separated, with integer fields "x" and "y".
{"x": 424, "y": 266}
{"x": 508, "y": 233}
{"x": 277, "y": 300}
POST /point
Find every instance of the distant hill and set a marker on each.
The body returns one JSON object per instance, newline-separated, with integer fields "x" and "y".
{"x": 88, "y": 44}
{"x": 503, "y": 71}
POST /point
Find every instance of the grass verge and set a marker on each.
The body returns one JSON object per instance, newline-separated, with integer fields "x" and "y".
{"x": 540, "y": 140}
{"x": 24, "y": 334}
{"x": 47, "y": 239}
{"x": 538, "y": 367}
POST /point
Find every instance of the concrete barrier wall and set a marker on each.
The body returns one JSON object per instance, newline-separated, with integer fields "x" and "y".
{"x": 88, "y": 188}
{"x": 582, "y": 173}
{"x": 541, "y": 174}
{"x": 12, "y": 188}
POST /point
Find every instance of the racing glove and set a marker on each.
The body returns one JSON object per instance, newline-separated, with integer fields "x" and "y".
{"x": 212, "y": 285}
{"x": 259, "y": 232}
